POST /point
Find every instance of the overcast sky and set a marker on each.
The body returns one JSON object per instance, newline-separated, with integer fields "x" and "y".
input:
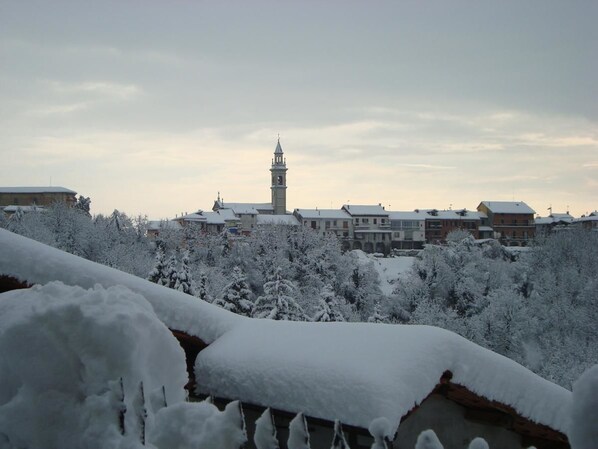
{"x": 154, "y": 107}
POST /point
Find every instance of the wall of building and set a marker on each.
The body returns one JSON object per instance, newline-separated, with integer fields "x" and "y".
{"x": 39, "y": 199}
{"x": 448, "y": 420}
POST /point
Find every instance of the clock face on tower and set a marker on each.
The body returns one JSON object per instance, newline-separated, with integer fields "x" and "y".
{"x": 280, "y": 180}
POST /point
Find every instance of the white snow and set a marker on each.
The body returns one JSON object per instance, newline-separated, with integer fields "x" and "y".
{"x": 478, "y": 443}
{"x": 331, "y": 214}
{"x": 287, "y": 220}
{"x": 357, "y": 372}
{"x": 49, "y": 189}
{"x": 389, "y": 268}
{"x": 64, "y": 351}
{"x": 356, "y": 210}
{"x": 428, "y": 440}
{"x": 36, "y": 263}
{"x": 583, "y": 427}
{"x": 508, "y": 207}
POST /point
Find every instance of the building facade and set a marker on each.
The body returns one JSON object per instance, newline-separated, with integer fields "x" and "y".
{"x": 512, "y": 221}
{"x": 279, "y": 181}
{"x": 36, "y": 196}
{"x": 371, "y": 228}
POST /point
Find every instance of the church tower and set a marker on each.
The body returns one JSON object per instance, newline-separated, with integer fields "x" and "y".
{"x": 279, "y": 181}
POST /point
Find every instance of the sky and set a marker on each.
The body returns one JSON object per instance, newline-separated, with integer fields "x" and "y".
{"x": 153, "y": 107}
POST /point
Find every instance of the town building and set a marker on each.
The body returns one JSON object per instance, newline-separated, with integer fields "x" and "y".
{"x": 408, "y": 229}
{"x": 36, "y": 196}
{"x": 512, "y": 221}
{"x": 371, "y": 228}
{"x": 589, "y": 222}
{"x": 553, "y": 223}
{"x": 328, "y": 222}
{"x": 439, "y": 223}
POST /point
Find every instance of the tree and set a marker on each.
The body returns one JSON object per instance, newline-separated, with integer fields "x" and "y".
{"x": 236, "y": 295}
{"x": 184, "y": 281}
{"x": 84, "y": 205}
{"x": 279, "y": 301}
{"x": 377, "y": 316}
{"x": 329, "y": 307}
{"x": 159, "y": 275}
{"x": 172, "y": 273}
{"x": 202, "y": 287}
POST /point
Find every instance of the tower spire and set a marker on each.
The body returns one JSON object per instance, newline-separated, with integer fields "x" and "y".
{"x": 279, "y": 180}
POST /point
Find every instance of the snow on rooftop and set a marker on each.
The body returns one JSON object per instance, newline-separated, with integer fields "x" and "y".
{"x": 333, "y": 214}
{"x": 246, "y": 208}
{"x": 287, "y": 220}
{"x": 407, "y": 215}
{"x": 13, "y": 208}
{"x": 508, "y": 207}
{"x": 156, "y": 225}
{"x": 50, "y": 189}
{"x": 214, "y": 218}
{"x": 227, "y": 214}
{"x": 356, "y": 209}
{"x": 357, "y": 372}
{"x": 36, "y": 263}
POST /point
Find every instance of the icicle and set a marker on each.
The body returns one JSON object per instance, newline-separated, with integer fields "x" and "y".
{"x": 122, "y": 407}
{"x": 265, "y": 431}
{"x": 140, "y": 412}
{"x": 428, "y": 440}
{"x": 298, "y": 433}
{"x": 339, "y": 441}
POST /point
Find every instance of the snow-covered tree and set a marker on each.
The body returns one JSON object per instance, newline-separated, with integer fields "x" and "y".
{"x": 172, "y": 273}
{"x": 202, "y": 287}
{"x": 184, "y": 281}
{"x": 84, "y": 205}
{"x": 329, "y": 308}
{"x": 236, "y": 295}
{"x": 279, "y": 301}
{"x": 159, "y": 274}
{"x": 377, "y": 316}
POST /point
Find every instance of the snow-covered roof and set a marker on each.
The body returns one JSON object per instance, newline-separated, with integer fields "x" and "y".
{"x": 228, "y": 214}
{"x": 508, "y": 207}
{"x": 592, "y": 217}
{"x": 357, "y": 372}
{"x": 406, "y": 215}
{"x": 287, "y": 220}
{"x": 332, "y": 214}
{"x": 50, "y": 189}
{"x": 246, "y": 208}
{"x": 13, "y": 208}
{"x": 485, "y": 229}
{"x": 36, "y": 263}
{"x": 358, "y": 210}
{"x": 213, "y": 218}
{"x": 156, "y": 225}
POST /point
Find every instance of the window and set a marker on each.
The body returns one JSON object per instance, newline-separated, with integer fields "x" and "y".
{"x": 365, "y": 220}
{"x": 314, "y": 224}
{"x": 327, "y": 225}
{"x": 375, "y": 221}
{"x": 357, "y": 221}
{"x": 345, "y": 224}
{"x": 334, "y": 223}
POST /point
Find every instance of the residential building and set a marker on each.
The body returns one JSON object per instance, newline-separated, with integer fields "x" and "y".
{"x": 439, "y": 223}
{"x": 553, "y": 223}
{"x": 408, "y": 229}
{"x": 371, "y": 228}
{"x": 512, "y": 221}
{"x": 589, "y": 222}
{"x": 328, "y": 222}
{"x": 36, "y": 196}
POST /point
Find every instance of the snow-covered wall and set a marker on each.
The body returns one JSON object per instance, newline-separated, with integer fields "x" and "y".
{"x": 357, "y": 372}
{"x": 36, "y": 263}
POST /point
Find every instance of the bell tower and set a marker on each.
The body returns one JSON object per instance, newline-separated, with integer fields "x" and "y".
{"x": 279, "y": 181}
